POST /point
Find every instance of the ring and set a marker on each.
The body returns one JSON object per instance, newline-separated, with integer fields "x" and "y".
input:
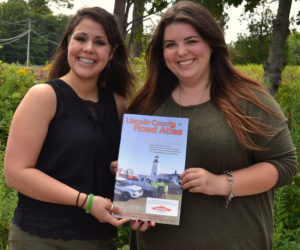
{"x": 112, "y": 207}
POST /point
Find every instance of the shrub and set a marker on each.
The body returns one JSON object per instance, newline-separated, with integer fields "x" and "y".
{"x": 287, "y": 205}
{"x": 14, "y": 82}
{"x": 287, "y": 199}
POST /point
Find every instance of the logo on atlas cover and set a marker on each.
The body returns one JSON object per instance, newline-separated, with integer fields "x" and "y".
{"x": 161, "y": 208}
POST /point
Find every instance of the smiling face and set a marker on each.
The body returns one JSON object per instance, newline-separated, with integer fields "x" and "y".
{"x": 89, "y": 50}
{"x": 186, "y": 54}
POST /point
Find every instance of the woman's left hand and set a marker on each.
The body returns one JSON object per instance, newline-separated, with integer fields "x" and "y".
{"x": 140, "y": 225}
{"x": 199, "y": 180}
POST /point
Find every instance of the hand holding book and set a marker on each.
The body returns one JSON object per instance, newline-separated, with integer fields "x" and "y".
{"x": 140, "y": 225}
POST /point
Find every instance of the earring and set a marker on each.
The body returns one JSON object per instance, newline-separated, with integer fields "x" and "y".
{"x": 108, "y": 65}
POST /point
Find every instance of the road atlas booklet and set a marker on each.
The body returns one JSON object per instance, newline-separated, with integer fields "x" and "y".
{"x": 151, "y": 158}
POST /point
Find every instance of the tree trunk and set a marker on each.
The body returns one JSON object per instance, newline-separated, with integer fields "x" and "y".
{"x": 135, "y": 42}
{"x": 120, "y": 13}
{"x": 274, "y": 66}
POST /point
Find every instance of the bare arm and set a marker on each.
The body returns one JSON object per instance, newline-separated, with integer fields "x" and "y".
{"x": 275, "y": 166}
{"x": 28, "y": 131}
{"x": 254, "y": 179}
{"x": 121, "y": 105}
{"x": 27, "y": 134}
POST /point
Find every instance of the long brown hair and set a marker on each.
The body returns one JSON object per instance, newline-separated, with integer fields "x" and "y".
{"x": 228, "y": 86}
{"x": 118, "y": 76}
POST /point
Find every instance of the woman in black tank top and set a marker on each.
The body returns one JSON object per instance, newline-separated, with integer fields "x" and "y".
{"x": 63, "y": 137}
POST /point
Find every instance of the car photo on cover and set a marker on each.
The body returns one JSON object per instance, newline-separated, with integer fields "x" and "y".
{"x": 125, "y": 191}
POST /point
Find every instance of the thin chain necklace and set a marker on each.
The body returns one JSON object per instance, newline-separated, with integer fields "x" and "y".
{"x": 195, "y": 109}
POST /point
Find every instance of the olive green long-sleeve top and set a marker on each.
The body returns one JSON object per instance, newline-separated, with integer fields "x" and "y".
{"x": 205, "y": 223}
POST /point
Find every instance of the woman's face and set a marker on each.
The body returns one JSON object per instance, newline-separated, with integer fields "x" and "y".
{"x": 186, "y": 54}
{"x": 89, "y": 50}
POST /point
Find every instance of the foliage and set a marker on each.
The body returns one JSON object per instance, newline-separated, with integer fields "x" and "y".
{"x": 254, "y": 47}
{"x": 60, "y": 3}
{"x": 286, "y": 217}
{"x": 293, "y": 49}
{"x": 123, "y": 237}
{"x": 45, "y": 31}
{"x": 157, "y": 6}
{"x": 218, "y": 7}
{"x": 255, "y": 71}
{"x": 8, "y": 201}
{"x": 139, "y": 67}
{"x": 14, "y": 82}
{"x": 250, "y": 49}
{"x": 287, "y": 202}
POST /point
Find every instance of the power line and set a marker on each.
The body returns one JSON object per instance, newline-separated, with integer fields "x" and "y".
{"x": 17, "y": 22}
{"x": 44, "y": 38}
{"x": 13, "y": 39}
{"x": 24, "y": 33}
{"x": 54, "y": 36}
{"x": 11, "y": 31}
{"x": 5, "y": 41}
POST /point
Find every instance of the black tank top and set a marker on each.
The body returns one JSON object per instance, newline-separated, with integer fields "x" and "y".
{"x": 77, "y": 151}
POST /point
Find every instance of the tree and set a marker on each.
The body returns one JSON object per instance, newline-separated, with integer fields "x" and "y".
{"x": 254, "y": 47}
{"x": 275, "y": 63}
{"x": 136, "y": 27}
{"x": 46, "y": 3}
{"x": 13, "y": 12}
{"x": 216, "y": 8}
{"x": 39, "y": 6}
{"x": 293, "y": 48}
{"x": 121, "y": 10}
{"x": 45, "y": 31}
{"x": 135, "y": 41}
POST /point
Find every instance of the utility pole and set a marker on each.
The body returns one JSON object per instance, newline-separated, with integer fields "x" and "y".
{"x": 28, "y": 42}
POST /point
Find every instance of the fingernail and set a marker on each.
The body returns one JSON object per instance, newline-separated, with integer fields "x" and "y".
{"x": 139, "y": 220}
{"x": 148, "y": 221}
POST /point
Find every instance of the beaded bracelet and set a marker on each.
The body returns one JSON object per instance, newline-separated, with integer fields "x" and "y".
{"x": 89, "y": 206}
{"x": 230, "y": 180}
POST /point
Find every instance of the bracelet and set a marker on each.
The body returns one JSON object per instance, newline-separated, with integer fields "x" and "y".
{"x": 230, "y": 180}
{"x": 89, "y": 206}
{"x": 76, "y": 204}
{"x": 84, "y": 201}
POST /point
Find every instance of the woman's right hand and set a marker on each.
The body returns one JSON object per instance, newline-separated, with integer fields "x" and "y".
{"x": 141, "y": 225}
{"x": 101, "y": 210}
{"x": 113, "y": 167}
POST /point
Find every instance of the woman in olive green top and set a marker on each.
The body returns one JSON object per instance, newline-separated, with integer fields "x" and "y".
{"x": 239, "y": 146}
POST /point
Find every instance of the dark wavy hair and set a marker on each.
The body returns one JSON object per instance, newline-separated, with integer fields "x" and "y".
{"x": 229, "y": 87}
{"x": 118, "y": 77}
